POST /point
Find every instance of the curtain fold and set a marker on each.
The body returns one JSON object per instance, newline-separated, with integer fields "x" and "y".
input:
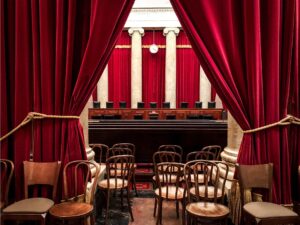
{"x": 52, "y": 55}
{"x": 119, "y": 72}
{"x": 153, "y": 69}
{"x": 187, "y": 73}
{"x": 245, "y": 48}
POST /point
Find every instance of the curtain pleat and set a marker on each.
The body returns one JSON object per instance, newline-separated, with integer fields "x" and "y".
{"x": 245, "y": 49}
{"x": 52, "y": 55}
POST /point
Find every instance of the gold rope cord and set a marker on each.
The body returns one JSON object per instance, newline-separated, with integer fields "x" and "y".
{"x": 289, "y": 119}
{"x": 35, "y": 115}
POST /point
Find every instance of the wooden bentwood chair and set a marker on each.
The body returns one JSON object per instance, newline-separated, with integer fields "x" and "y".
{"x": 132, "y": 147}
{"x": 168, "y": 180}
{"x": 205, "y": 199}
{"x": 119, "y": 169}
{"x": 35, "y": 173}
{"x": 6, "y": 170}
{"x": 163, "y": 157}
{"x": 264, "y": 213}
{"x": 78, "y": 199}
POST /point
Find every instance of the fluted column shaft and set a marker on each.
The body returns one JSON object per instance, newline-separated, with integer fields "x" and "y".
{"x": 102, "y": 88}
{"x": 170, "y": 72}
{"x": 136, "y": 65}
{"x": 205, "y": 89}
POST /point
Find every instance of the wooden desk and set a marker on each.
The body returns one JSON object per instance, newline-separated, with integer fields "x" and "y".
{"x": 148, "y": 135}
{"x": 129, "y": 114}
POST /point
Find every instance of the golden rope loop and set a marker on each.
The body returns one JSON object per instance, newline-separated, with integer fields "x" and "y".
{"x": 289, "y": 119}
{"x": 35, "y": 115}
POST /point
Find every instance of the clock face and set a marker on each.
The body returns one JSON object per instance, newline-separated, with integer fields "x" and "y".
{"x": 153, "y": 48}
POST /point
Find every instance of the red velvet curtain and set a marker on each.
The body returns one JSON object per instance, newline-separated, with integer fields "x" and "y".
{"x": 52, "y": 55}
{"x": 153, "y": 69}
{"x": 119, "y": 71}
{"x": 187, "y": 72}
{"x": 245, "y": 48}
{"x": 295, "y": 108}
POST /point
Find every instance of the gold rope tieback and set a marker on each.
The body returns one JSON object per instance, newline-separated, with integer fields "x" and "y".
{"x": 289, "y": 119}
{"x": 33, "y": 116}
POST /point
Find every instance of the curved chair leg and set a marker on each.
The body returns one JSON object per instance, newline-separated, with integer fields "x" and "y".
{"x": 134, "y": 184}
{"x": 122, "y": 203}
{"x": 177, "y": 209}
{"x": 155, "y": 206}
{"x": 129, "y": 205}
{"x": 107, "y": 207}
{"x": 183, "y": 211}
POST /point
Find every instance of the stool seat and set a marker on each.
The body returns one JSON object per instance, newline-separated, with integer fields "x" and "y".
{"x": 30, "y": 205}
{"x": 267, "y": 209}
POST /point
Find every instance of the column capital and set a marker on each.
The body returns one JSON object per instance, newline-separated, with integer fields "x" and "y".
{"x": 132, "y": 30}
{"x": 167, "y": 30}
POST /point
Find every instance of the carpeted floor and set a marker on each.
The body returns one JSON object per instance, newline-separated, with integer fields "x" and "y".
{"x": 142, "y": 207}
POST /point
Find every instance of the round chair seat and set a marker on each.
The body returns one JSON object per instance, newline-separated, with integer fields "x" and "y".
{"x": 208, "y": 210}
{"x": 170, "y": 193}
{"x": 113, "y": 183}
{"x": 210, "y": 191}
{"x": 71, "y": 210}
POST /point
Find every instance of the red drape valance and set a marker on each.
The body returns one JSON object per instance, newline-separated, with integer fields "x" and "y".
{"x": 250, "y": 52}
{"x": 52, "y": 55}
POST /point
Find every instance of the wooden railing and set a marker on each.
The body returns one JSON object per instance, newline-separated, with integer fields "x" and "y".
{"x": 159, "y": 113}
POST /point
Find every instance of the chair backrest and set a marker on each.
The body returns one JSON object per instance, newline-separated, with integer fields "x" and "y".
{"x": 109, "y": 105}
{"x": 140, "y": 105}
{"x": 100, "y": 152}
{"x": 6, "y": 170}
{"x": 184, "y": 105}
{"x": 96, "y": 104}
{"x": 119, "y": 167}
{"x": 122, "y": 104}
{"x": 211, "y": 105}
{"x": 198, "y": 105}
{"x": 166, "y": 105}
{"x": 166, "y": 156}
{"x": 255, "y": 176}
{"x": 203, "y": 181}
{"x": 125, "y": 145}
{"x": 119, "y": 151}
{"x": 41, "y": 173}
{"x": 76, "y": 176}
{"x": 171, "y": 148}
{"x": 216, "y": 149}
{"x": 153, "y": 105}
{"x": 200, "y": 155}
{"x": 168, "y": 175}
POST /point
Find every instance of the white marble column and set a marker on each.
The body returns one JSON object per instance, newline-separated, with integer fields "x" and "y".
{"x": 234, "y": 139}
{"x": 229, "y": 155}
{"x": 102, "y": 88}
{"x": 85, "y": 123}
{"x": 205, "y": 89}
{"x": 170, "y": 80}
{"x": 136, "y": 65}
